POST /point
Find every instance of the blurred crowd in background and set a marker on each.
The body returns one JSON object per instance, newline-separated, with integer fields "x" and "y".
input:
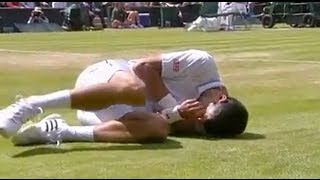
{"x": 122, "y": 14}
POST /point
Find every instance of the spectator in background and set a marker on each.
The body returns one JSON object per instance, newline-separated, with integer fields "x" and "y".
{"x": 107, "y": 3}
{"x": 42, "y": 4}
{"x": 14, "y": 5}
{"x": 176, "y": 5}
{"x": 132, "y": 16}
{"x": 29, "y": 4}
{"x": 150, "y": 4}
{"x": 189, "y": 11}
{"x": 3, "y": 4}
{"x": 171, "y": 4}
{"x": 232, "y": 7}
{"x": 138, "y": 4}
{"x": 71, "y": 23}
{"x": 93, "y": 11}
{"x": 118, "y": 16}
{"x": 104, "y": 8}
{"x": 37, "y": 16}
{"x": 59, "y": 5}
{"x": 124, "y": 17}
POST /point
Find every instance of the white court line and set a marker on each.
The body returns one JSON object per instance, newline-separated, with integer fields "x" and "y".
{"x": 236, "y": 60}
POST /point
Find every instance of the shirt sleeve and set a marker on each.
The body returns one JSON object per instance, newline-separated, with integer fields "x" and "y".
{"x": 197, "y": 66}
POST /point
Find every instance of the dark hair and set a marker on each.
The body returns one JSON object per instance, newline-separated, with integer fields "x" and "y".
{"x": 230, "y": 118}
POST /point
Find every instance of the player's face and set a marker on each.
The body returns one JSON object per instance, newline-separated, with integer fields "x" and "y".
{"x": 212, "y": 95}
{"x": 212, "y": 108}
{"x": 199, "y": 124}
{"x": 209, "y": 112}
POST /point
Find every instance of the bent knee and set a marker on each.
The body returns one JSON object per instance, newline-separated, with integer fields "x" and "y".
{"x": 131, "y": 88}
{"x": 142, "y": 69}
{"x": 136, "y": 87}
{"x": 160, "y": 131}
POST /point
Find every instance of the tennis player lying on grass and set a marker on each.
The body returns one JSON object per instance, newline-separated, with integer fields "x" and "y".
{"x": 141, "y": 100}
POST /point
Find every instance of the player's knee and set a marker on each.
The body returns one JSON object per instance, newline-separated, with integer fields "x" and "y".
{"x": 160, "y": 131}
{"x": 143, "y": 69}
{"x": 137, "y": 88}
{"x": 139, "y": 68}
{"x": 163, "y": 130}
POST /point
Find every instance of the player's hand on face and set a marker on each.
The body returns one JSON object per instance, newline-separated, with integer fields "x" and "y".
{"x": 192, "y": 109}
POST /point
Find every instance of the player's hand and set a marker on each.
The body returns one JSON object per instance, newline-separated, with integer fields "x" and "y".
{"x": 191, "y": 109}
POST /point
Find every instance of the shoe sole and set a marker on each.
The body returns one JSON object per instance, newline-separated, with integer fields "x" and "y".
{"x": 29, "y": 129}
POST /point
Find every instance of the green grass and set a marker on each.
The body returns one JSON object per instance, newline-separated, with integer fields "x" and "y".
{"x": 274, "y": 72}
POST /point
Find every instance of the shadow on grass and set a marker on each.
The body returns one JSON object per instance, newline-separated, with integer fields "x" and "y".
{"x": 244, "y": 136}
{"x": 168, "y": 144}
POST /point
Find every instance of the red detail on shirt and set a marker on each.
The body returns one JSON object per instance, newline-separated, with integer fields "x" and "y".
{"x": 176, "y": 65}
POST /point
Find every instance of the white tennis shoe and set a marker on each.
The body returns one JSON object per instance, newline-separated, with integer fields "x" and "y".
{"x": 15, "y": 115}
{"x": 47, "y": 131}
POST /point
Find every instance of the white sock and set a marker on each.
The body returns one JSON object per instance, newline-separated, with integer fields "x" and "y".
{"x": 59, "y": 99}
{"x": 78, "y": 134}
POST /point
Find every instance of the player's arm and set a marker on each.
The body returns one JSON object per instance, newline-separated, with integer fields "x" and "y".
{"x": 190, "y": 109}
{"x": 166, "y": 65}
{"x": 149, "y": 71}
{"x": 134, "y": 127}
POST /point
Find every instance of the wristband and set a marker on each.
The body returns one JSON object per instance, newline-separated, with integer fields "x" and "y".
{"x": 167, "y": 101}
{"x": 172, "y": 114}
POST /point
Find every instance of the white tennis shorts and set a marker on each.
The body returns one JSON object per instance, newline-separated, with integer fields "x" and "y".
{"x": 101, "y": 72}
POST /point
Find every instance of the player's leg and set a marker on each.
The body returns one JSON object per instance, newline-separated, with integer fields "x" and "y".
{"x": 131, "y": 125}
{"x": 134, "y": 127}
{"x": 98, "y": 87}
{"x": 123, "y": 88}
{"x": 105, "y": 86}
{"x": 149, "y": 71}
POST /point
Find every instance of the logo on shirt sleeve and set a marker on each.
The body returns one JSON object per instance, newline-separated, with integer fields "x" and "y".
{"x": 176, "y": 65}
